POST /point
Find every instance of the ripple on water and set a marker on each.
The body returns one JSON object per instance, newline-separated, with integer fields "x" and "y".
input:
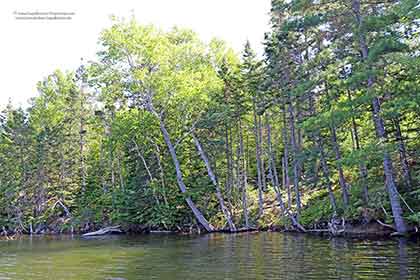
{"x": 213, "y": 256}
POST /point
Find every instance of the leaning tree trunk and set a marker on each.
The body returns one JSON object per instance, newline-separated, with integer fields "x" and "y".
{"x": 341, "y": 179}
{"x": 271, "y": 153}
{"x": 336, "y": 148}
{"x": 213, "y": 178}
{"x": 146, "y": 167}
{"x": 295, "y": 148}
{"x": 120, "y": 172}
{"x": 275, "y": 181}
{"x": 259, "y": 161}
{"x": 261, "y": 142}
{"x": 323, "y": 160}
{"x": 397, "y": 211}
{"x": 285, "y": 163}
{"x": 102, "y": 168}
{"x": 82, "y": 132}
{"x": 326, "y": 172}
{"x": 156, "y": 151}
{"x": 362, "y": 166}
{"x": 272, "y": 168}
{"x": 242, "y": 175}
{"x": 41, "y": 181}
{"x": 403, "y": 154}
{"x": 229, "y": 175}
{"x": 179, "y": 177}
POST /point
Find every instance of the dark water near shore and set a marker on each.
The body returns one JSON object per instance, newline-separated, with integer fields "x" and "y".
{"x": 217, "y": 256}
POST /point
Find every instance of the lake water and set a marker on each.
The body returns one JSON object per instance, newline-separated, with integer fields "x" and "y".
{"x": 213, "y": 256}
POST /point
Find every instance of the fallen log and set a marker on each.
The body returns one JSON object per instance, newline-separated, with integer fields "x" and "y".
{"x": 385, "y": 225}
{"x": 104, "y": 231}
{"x": 240, "y": 230}
{"x": 318, "y": 230}
{"x": 161, "y": 231}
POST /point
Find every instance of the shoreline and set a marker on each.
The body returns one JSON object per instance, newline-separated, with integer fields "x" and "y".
{"x": 358, "y": 231}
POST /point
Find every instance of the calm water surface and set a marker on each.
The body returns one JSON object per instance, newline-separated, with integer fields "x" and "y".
{"x": 216, "y": 256}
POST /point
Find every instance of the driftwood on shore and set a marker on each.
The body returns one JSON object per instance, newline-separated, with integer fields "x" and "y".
{"x": 238, "y": 230}
{"x": 161, "y": 231}
{"x": 104, "y": 231}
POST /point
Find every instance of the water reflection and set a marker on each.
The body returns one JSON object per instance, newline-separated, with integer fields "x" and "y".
{"x": 403, "y": 258}
{"x": 213, "y": 256}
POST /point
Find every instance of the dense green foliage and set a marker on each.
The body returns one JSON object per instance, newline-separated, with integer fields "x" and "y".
{"x": 164, "y": 130}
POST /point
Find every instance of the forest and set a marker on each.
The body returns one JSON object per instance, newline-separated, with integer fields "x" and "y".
{"x": 164, "y": 131}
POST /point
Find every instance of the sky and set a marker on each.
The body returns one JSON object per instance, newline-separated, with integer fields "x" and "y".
{"x": 32, "y": 49}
